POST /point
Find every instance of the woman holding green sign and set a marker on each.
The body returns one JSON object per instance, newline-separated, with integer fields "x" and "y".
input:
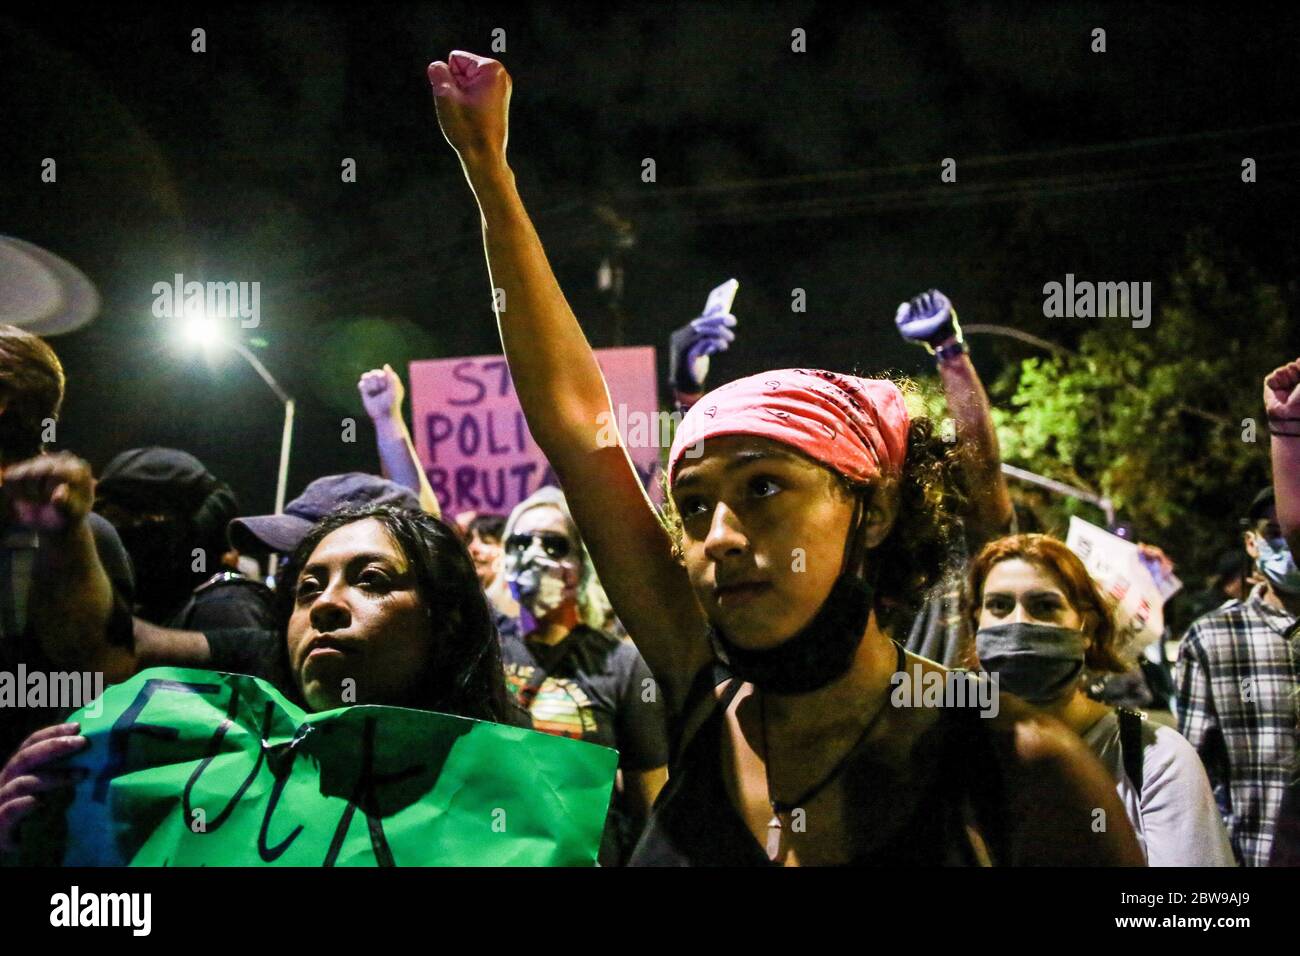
{"x": 381, "y": 606}
{"x": 809, "y": 510}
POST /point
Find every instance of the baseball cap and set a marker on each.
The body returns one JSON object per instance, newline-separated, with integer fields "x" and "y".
{"x": 283, "y": 533}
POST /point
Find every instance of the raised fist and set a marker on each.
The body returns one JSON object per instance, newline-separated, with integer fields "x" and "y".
{"x": 929, "y": 319}
{"x": 1282, "y": 394}
{"x": 47, "y": 493}
{"x": 381, "y": 393}
{"x": 472, "y": 94}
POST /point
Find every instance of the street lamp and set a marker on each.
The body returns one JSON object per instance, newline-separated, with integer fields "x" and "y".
{"x": 205, "y": 331}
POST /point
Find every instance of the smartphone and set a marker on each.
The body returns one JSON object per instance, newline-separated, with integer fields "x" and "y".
{"x": 720, "y": 299}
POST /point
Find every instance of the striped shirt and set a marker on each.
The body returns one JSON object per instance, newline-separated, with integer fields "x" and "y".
{"x": 1237, "y": 705}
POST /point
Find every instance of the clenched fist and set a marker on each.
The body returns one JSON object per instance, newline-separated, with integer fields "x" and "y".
{"x": 382, "y": 393}
{"x": 47, "y": 493}
{"x": 472, "y": 94}
{"x": 1282, "y": 395}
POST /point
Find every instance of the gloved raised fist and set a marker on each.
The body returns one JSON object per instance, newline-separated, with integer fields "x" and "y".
{"x": 929, "y": 319}
{"x": 690, "y": 346}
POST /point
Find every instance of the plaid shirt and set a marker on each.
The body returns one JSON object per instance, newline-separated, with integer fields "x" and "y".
{"x": 1237, "y": 684}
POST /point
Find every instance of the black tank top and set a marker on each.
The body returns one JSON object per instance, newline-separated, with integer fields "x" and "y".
{"x": 957, "y": 821}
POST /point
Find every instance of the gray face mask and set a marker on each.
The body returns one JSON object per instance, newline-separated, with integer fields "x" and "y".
{"x": 1036, "y": 662}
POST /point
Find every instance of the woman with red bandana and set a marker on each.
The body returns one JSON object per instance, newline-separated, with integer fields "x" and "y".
{"x": 809, "y": 510}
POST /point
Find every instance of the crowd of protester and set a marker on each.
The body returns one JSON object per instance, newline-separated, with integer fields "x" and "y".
{"x": 739, "y": 646}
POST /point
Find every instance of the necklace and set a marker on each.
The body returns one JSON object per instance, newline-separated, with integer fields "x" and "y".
{"x": 774, "y": 825}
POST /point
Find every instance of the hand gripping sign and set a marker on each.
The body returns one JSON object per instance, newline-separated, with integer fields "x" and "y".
{"x": 197, "y": 768}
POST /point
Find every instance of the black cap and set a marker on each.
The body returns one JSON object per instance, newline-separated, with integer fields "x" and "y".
{"x": 145, "y": 478}
{"x": 1263, "y": 501}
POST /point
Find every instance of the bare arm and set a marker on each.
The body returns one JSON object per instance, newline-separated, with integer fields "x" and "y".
{"x": 641, "y": 789}
{"x": 562, "y": 391}
{"x": 381, "y": 395}
{"x": 968, "y": 403}
{"x": 1282, "y": 404}
{"x": 72, "y": 598}
{"x": 930, "y": 320}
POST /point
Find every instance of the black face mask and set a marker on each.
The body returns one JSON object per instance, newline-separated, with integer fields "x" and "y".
{"x": 814, "y": 657}
{"x": 160, "y": 554}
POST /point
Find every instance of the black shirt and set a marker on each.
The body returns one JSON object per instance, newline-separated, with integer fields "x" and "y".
{"x": 595, "y": 687}
{"x": 694, "y": 822}
{"x": 590, "y": 686}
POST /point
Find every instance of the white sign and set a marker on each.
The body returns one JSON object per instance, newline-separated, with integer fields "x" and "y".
{"x": 1117, "y": 567}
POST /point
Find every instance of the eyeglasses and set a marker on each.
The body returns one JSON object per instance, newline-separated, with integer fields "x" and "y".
{"x": 555, "y": 545}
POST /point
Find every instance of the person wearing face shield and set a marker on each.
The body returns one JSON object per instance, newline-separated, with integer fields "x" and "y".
{"x": 1039, "y": 619}
{"x": 573, "y": 676}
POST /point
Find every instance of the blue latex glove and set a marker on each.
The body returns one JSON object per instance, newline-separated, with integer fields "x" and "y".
{"x": 928, "y": 319}
{"x": 690, "y": 347}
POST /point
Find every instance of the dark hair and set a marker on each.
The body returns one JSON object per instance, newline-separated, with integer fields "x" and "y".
{"x": 487, "y": 526}
{"x": 919, "y": 547}
{"x": 31, "y": 386}
{"x": 464, "y": 675}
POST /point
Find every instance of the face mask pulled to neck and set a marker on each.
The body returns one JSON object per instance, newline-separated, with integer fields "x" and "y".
{"x": 1276, "y": 563}
{"x": 817, "y": 655}
{"x": 1039, "y": 663}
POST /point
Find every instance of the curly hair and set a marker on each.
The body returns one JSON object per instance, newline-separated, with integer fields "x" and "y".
{"x": 465, "y": 675}
{"x": 920, "y": 546}
{"x": 1085, "y": 597}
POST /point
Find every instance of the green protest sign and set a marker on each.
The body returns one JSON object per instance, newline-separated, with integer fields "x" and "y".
{"x": 196, "y": 768}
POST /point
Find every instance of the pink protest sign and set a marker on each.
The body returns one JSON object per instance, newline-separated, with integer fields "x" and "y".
{"x": 474, "y": 443}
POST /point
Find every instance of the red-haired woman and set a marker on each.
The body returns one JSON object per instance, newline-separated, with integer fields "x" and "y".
{"x": 1039, "y": 619}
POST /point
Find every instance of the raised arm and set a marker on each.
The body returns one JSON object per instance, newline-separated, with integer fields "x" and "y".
{"x": 72, "y": 598}
{"x": 1282, "y": 404}
{"x": 381, "y": 395}
{"x": 561, "y": 389}
{"x": 930, "y": 320}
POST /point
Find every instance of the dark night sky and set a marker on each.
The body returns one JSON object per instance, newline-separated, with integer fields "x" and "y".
{"x": 816, "y": 170}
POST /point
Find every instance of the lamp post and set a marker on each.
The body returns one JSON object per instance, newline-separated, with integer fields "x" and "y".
{"x": 286, "y": 438}
{"x": 204, "y": 330}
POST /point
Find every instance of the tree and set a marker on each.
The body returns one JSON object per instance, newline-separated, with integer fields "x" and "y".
{"x": 1165, "y": 421}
